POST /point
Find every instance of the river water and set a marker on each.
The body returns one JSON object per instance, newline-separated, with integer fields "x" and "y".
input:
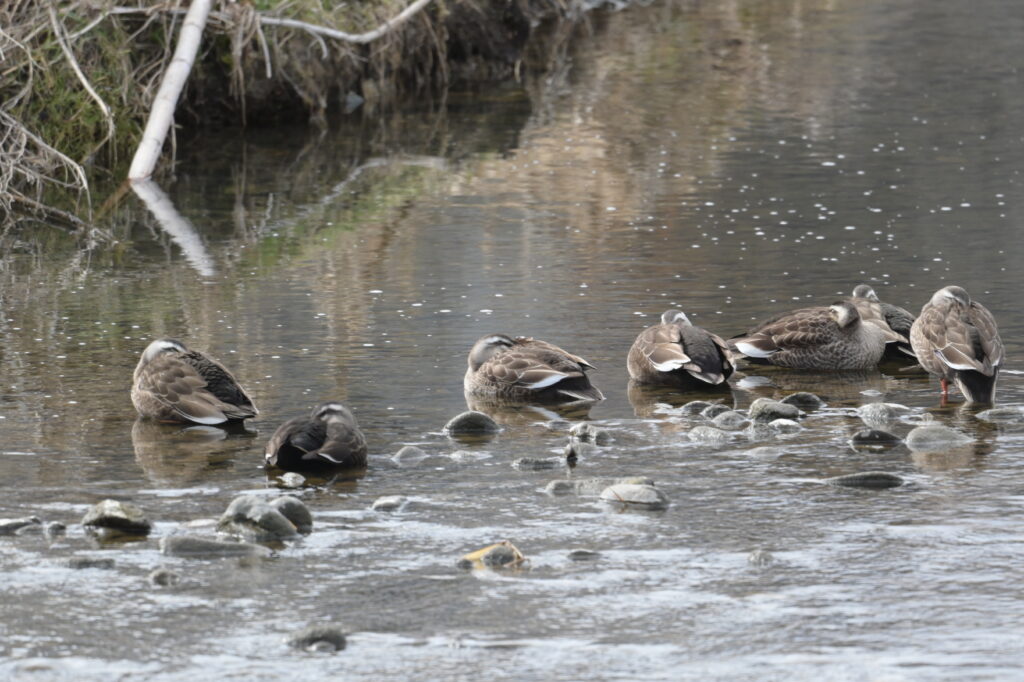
{"x": 733, "y": 159}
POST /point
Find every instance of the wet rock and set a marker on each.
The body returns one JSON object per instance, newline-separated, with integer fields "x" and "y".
{"x": 12, "y": 526}
{"x": 193, "y": 546}
{"x": 761, "y": 557}
{"x": 875, "y": 480}
{"x": 561, "y": 487}
{"x": 54, "y": 529}
{"x": 932, "y": 437}
{"x": 124, "y": 517}
{"x": 408, "y": 456}
{"x": 760, "y": 431}
{"x": 804, "y": 401}
{"x": 730, "y": 420}
{"x": 879, "y": 415}
{"x": 493, "y": 556}
{"x": 767, "y": 410}
{"x": 326, "y": 637}
{"x": 295, "y": 511}
{"x": 588, "y": 433}
{"x": 254, "y": 519}
{"x": 874, "y": 438}
{"x": 713, "y": 410}
{"x": 765, "y": 452}
{"x": 1008, "y": 414}
{"x": 538, "y": 464}
{"x": 645, "y": 496}
{"x": 291, "y": 479}
{"x": 389, "y": 503}
{"x": 785, "y": 426}
{"x": 708, "y": 434}
{"x": 471, "y": 423}
{"x": 558, "y": 425}
{"x": 592, "y": 486}
{"x": 695, "y": 407}
{"x": 82, "y": 562}
{"x": 583, "y": 555}
{"x": 163, "y": 577}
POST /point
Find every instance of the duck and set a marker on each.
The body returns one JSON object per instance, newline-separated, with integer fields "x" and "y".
{"x": 328, "y": 438}
{"x": 821, "y": 338}
{"x": 173, "y": 383}
{"x": 888, "y": 316}
{"x": 527, "y": 370}
{"x": 676, "y": 353}
{"x": 956, "y": 339}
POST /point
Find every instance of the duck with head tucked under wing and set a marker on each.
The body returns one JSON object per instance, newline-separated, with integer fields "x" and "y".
{"x": 676, "y": 353}
{"x": 327, "y": 439}
{"x": 175, "y": 384}
{"x": 832, "y": 338}
{"x": 521, "y": 369}
{"x": 888, "y": 316}
{"x": 957, "y": 340}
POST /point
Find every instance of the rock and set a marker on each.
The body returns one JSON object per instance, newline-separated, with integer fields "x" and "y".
{"x": 12, "y": 526}
{"x": 875, "y": 480}
{"x": 409, "y": 455}
{"x": 471, "y": 423}
{"x": 713, "y": 410}
{"x": 695, "y": 407}
{"x": 163, "y": 577}
{"x": 561, "y": 487}
{"x": 762, "y": 557}
{"x": 295, "y": 511}
{"x": 803, "y": 400}
{"x": 765, "y": 452}
{"x": 537, "y": 464}
{"x": 646, "y": 496}
{"x": 253, "y": 518}
{"x": 588, "y": 433}
{"x": 785, "y": 426}
{"x": 760, "y": 431}
{"x": 324, "y": 637}
{"x": 932, "y": 437}
{"x": 1008, "y": 414}
{"x": 291, "y": 479}
{"x": 879, "y": 415}
{"x": 54, "y": 529}
{"x": 592, "y": 486}
{"x": 874, "y": 438}
{"x": 558, "y": 425}
{"x": 730, "y": 420}
{"x": 708, "y": 434}
{"x": 80, "y": 562}
{"x": 767, "y": 410}
{"x": 389, "y": 503}
{"x": 493, "y": 556}
{"x": 194, "y": 546}
{"x": 117, "y": 515}
{"x": 583, "y": 555}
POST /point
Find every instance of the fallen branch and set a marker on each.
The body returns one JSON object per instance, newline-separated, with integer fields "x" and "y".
{"x": 360, "y": 38}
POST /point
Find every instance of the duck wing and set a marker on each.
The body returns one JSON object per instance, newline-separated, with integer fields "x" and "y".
{"x": 293, "y": 439}
{"x": 345, "y": 445}
{"x": 174, "y": 381}
{"x": 661, "y": 347}
{"x": 804, "y": 328}
{"x": 222, "y": 385}
{"x": 534, "y": 365}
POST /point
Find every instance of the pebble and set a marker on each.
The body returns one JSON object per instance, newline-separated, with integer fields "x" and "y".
{"x": 879, "y": 415}
{"x": 1006, "y": 415}
{"x": 761, "y": 557}
{"x": 932, "y": 437}
{"x": 766, "y": 410}
{"x": 295, "y": 511}
{"x": 875, "y": 438}
{"x": 713, "y": 410}
{"x": 804, "y": 400}
{"x": 409, "y": 455}
{"x": 785, "y": 426}
{"x": 326, "y": 637}
{"x": 200, "y": 547}
{"x": 80, "y": 562}
{"x": 254, "y": 519}
{"x": 708, "y": 434}
{"x": 730, "y": 420}
{"x": 124, "y": 517}
{"x": 875, "y": 480}
{"x": 588, "y": 433}
{"x": 695, "y": 407}
{"x": 291, "y": 480}
{"x": 389, "y": 503}
{"x": 471, "y": 423}
{"x": 583, "y": 555}
{"x": 12, "y": 526}
{"x": 538, "y": 464}
{"x": 163, "y": 577}
{"x": 646, "y": 496}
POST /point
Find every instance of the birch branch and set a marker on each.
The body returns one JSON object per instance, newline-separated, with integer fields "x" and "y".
{"x": 360, "y": 38}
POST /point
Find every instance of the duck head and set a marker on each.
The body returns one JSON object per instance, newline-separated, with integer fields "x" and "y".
{"x": 676, "y": 317}
{"x": 865, "y": 291}
{"x": 333, "y": 411}
{"x": 844, "y": 313}
{"x": 951, "y": 293}
{"x": 486, "y": 347}
{"x": 162, "y": 346}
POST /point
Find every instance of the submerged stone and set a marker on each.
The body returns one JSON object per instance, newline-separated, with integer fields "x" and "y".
{"x": 389, "y": 503}
{"x": 82, "y": 562}
{"x": 124, "y": 517}
{"x": 760, "y": 557}
{"x": 471, "y": 423}
{"x": 13, "y": 526}
{"x": 875, "y": 438}
{"x": 785, "y": 426}
{"x": 708, "y": 434}
{"x": 588, "y": 433}
{"x": 163, "y": 577}
{"x": 713, "y": 410}
{"x": 804, "y": 400}
{"x": 409, "y": 455}
{"x": 695, "y": 407}
{"x": 498, "y": 555}
{"x": 931, "y": 437}
{"x": 538, "y": 464}
{"x": 326, "y": 637}
{"x": 730, "y": 420}
{"x": 193, "y": 546}
{"x": 875, "y": 480}
{"x": 583, "y": 554}
{"x": 295, "y": 511}
{"x": 291, "y": 479}
{"x": 253, "y": 518}
{"x": 631, "y": 494}
{"x": 1007, "y": 414}
{"x": 879, "y": 415}
{"x": 766, "y": 410}
{"x": 592, "y": 486}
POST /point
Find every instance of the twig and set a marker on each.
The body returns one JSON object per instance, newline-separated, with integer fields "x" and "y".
{"x": 361, "y": 38}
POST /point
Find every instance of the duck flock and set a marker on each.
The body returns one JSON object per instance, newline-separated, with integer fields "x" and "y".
{"x": 954, "y": 338}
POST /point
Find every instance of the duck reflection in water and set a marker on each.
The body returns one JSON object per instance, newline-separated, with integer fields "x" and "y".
{"x": 517, "y": 413}
{"x": 646, "y": 399}
{"x": 171, "y": 454}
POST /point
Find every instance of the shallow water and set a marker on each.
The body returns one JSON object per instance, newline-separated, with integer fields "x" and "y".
{"x": 733, "y": 161}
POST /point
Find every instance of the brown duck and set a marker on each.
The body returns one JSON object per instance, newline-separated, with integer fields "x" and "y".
{"x": 676, "y": 353}
{"x": 175, "y": 384}
{"x": 888, "y": 316}
{"x": 527, "y": 370}
{"x": 957, "y": 340}
{"x": 329, "y": 438}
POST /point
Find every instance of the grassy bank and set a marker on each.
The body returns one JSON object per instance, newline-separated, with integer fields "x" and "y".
{"x": 78, "y": 76}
